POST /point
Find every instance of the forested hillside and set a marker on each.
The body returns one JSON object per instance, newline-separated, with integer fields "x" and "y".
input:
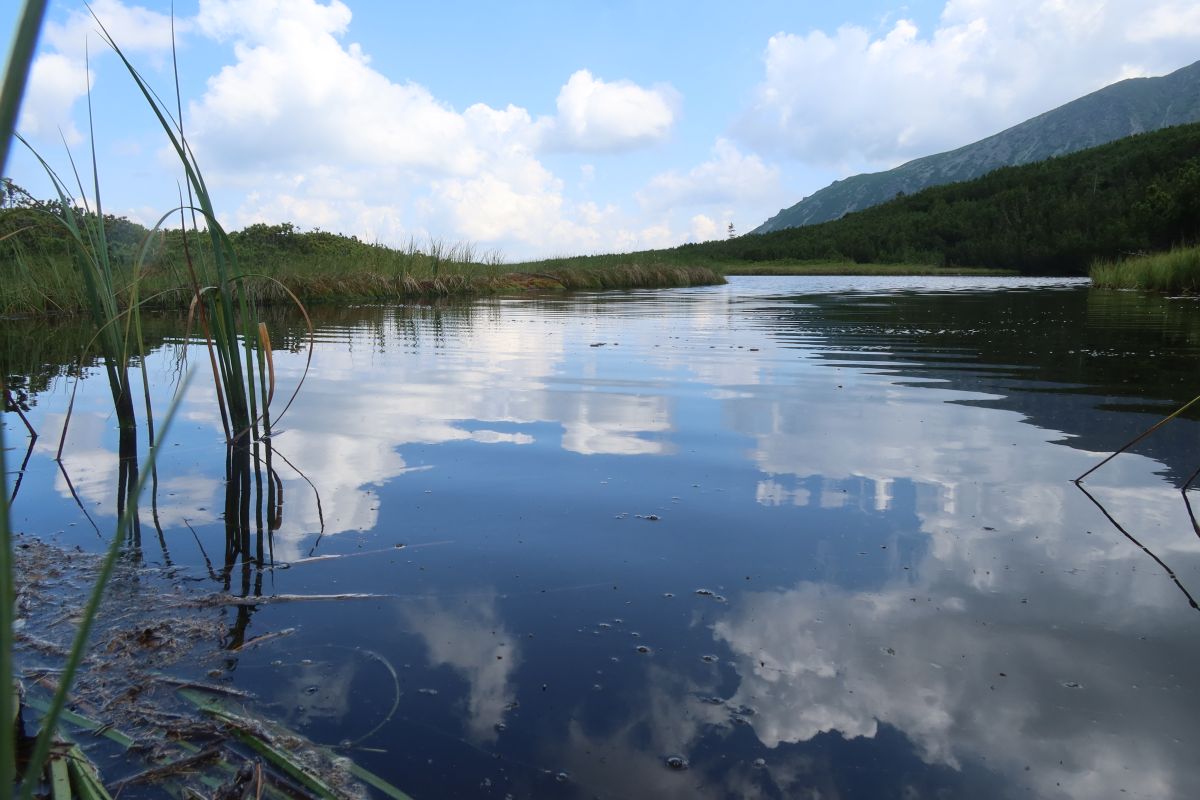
{"x": 1054, "y": 217}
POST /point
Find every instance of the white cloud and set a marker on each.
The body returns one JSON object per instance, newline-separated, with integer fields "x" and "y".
{"x": 729, "y": 177}
{"x": 704, "y": 229}
{"x": 295, "y": 94}
{"x": 55, "y": 83}
{"x": 315, "y": 135}
{"x": 597, "y": 115}
{"x": 1177, "y": 20}
{"x": 855, "y": 97}
{"x": 134, "y": 28}
{"x": 61, "y": 77}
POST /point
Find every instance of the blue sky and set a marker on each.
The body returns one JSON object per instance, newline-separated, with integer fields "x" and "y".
{"x": 552, "y": 128}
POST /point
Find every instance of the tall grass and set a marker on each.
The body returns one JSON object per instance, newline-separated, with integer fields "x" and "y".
{"x": 113, "y": 298}
{"x": 1173, "y": 271}
{"x": 16, "y": 71}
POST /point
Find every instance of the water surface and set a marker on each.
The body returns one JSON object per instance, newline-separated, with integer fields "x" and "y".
{"x": 786, "y": 537}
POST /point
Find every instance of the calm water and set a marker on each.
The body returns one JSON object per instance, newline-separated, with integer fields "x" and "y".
{"x": 815, "y": 537}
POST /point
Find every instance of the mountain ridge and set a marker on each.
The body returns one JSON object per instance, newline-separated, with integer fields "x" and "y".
{"x": 1125, "y": 108}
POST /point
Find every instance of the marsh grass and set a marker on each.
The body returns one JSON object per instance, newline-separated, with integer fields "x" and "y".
{"x": 663, "y": 260}
{"x": 1174, "y": 271}
{"x": 853, "y": 268}
{"x": 355, "y": 272}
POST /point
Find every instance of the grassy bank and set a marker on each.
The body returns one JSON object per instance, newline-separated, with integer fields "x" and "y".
{"x": 682, "y": 258}
{"x": 851, "y": 268}
{"x": 1174, "y": 271}
{"x": 39, "y": 274}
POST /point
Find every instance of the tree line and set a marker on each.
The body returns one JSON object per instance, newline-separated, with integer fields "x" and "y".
{"x": 1054, "y": 217}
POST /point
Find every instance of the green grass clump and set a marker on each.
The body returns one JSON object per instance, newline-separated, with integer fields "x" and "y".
{"x": 1175, "y": 271}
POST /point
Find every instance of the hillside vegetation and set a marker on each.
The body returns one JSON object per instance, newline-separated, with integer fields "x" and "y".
{"x": 1055, "y": 217}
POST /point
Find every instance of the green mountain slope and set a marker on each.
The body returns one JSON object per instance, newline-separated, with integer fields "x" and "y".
{"x": 1137, "y": 194}
{"x": 1132, "y": 106}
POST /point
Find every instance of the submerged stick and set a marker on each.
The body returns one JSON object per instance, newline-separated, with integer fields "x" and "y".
{"x": 1142, "y": 435}
{"x": 1170, "y": 572}
{"x": 231, "y": 600}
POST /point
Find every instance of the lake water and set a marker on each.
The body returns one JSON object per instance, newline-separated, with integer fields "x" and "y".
{"x": 789, "y": 537}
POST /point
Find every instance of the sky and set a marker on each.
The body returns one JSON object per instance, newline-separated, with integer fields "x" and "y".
{"x": 550, "y": 128}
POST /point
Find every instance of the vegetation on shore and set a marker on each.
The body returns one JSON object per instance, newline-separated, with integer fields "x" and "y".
{"x": 38, "y": 273}
{"x": 1055, "y": 217}
{"x": 1175, "y": 271}
{"x": 853, "y": 268}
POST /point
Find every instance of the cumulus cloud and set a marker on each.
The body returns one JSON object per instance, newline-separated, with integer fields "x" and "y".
{"x": 855, "y": 95}
{"x": 704, "y": 228}
{"x": 55, "y": 83}
{"x": 295, "y": 93}
{"x": 597, "y": 115}
{"x": 729, "y": 177}
{"x": 60, "y": 77}
{"x": 317, "y": 136}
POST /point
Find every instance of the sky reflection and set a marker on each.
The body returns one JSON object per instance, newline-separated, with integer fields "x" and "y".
{"x": 848, "y": 544}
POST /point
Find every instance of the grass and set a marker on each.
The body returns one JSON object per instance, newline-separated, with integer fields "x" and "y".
{"x": 667, "y": 259}
{"x": 1175, "y": 271}
{"x": 38, "y": 283}
{"x": 853, "y": 268}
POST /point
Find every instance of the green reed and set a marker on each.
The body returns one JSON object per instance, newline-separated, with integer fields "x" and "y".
{"x": 12, "y": 88}
{"x": 226, "y": 314}
{"x": 1176, "y": 270}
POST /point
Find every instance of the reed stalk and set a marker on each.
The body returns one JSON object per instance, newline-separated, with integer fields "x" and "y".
{"x": 12, "y": 89}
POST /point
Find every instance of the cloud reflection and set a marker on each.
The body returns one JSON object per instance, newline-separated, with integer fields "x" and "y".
{"x": 470, "y": 638}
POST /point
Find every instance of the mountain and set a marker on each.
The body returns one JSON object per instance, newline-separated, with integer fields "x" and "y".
{"x": 1131, "y": 106}
{"x": 1053, "y": 217}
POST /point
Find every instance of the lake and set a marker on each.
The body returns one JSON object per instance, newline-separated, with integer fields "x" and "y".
{"x": 786, "y": 537}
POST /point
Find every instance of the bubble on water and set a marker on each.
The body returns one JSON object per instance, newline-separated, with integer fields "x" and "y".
{"x": 604, "y": 625}
{"x": 641, "y": 648}
{"x": 1072, "y": 685}
{"x": 705, "y": 592}
{"x": 677, "y": 762}
{"x": 311, "y": 690}
{"x": 428, "y": 691}
{"x": 760, "y": 762}
{"x": 709, "y": 659}
{"x": 562, "y": 777}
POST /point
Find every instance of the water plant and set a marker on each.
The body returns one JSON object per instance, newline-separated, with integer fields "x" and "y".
{"x": 1176, "y": 271}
